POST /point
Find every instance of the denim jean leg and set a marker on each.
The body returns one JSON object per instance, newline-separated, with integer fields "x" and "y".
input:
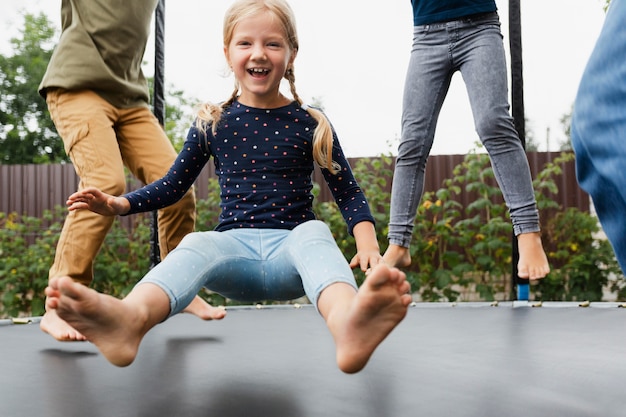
{"x": 482, "y": 62}
{"x": 599, "y": 126}
{"x": 426, "y": 85}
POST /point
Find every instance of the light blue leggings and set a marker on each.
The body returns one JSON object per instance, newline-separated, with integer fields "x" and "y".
{"x": 252, "y": 265}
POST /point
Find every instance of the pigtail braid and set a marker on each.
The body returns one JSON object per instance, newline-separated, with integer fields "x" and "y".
{"x": 209, "y": 115}
{"x": 323, "y": 135}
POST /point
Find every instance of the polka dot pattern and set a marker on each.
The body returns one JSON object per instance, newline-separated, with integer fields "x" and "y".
{"x": 264, "y": 162}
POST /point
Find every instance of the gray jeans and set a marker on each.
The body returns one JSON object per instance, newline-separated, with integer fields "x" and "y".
{"x": 473, "y": 47}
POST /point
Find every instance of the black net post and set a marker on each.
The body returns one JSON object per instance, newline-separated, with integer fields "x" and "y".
{"x": 519, "y": 285}
{"x": 158, "y": 107}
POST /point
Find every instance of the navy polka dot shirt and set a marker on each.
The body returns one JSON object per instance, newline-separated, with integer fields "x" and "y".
{"x": 264, "y": 161}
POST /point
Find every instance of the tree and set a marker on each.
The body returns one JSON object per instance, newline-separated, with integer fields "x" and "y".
{"x": 27, "y": 134}
{"x": 566, "y": 123}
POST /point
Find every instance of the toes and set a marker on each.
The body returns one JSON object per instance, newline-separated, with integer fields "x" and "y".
{"x": 406, "y": 300}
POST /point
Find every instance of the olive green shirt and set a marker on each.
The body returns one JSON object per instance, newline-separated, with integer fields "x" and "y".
{"x": 101, "y": 49}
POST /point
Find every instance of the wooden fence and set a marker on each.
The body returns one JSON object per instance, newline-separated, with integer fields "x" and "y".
{"x": 32, "y": 189}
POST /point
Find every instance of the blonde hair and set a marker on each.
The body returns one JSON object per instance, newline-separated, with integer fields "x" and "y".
{"x": 210, "y": 114}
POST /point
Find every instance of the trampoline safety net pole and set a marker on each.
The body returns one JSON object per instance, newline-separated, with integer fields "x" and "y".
{"x": 158, "y": 108}
{"x": 519, "y": 285}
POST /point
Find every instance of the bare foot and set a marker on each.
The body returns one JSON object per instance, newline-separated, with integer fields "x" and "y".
{"x": 56, "y": 327}
{"x": 533, "y": 262}
{"x": 397, "y": 256}
{"x": 116, "y": 327}
{"x": 200, "y": 308}
{"x": 378, "y": 307}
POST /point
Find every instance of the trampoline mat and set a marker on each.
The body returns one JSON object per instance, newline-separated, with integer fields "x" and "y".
{"x": 443, "y": 360}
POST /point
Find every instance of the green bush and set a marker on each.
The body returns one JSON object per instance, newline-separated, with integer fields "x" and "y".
{"x": 24, "y": 266}
{"x": 27, "y": 246}
{"x": 456, "y": 251}
{"x": 582, "y": 265}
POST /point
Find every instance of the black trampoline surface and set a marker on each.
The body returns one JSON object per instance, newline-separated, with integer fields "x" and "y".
{"x": 443, "y": 360}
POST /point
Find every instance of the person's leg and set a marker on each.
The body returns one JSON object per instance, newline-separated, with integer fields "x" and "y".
{"x": 483, "y": 67}
{"x": 426, "y": 85}
{"x": 359, "y": 320}
{"x": 148, "y": 154}
{"x": 117, "y": 327}
{"x": 85, "y": 123}
{"x": 233, "y": 263}
{"x": 599, "y": 129}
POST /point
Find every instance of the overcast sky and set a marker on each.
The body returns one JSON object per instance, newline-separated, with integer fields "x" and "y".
{"x": 354, "y": 59}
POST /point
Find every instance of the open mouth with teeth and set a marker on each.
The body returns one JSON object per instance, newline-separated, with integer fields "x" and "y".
{"x": 258, "y": 72}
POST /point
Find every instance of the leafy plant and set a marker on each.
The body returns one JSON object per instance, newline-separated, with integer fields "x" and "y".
{"x": 27, "y": 247}
{"x": 458, "y": 252}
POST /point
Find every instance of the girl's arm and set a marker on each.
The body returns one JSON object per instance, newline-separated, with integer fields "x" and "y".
{"x": 179, "y": 179}
{"x": 346, "y": 191}
{"x": 355, "y": 210}
{"x": 159, "y": 194}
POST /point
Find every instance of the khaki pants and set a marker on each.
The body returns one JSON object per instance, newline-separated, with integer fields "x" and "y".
{"x": 100, "y": 140}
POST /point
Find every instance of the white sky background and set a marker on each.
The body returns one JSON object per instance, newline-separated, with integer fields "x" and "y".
{"x": 354, "y": 60}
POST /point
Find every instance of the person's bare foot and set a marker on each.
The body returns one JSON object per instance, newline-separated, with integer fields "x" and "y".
{"x": 533, "y": 262}
{"x": 114, "y": 326}
{"x": 200, "y": 308}
{"x": 380, "y": 304}
{"x": 58, "y": 328}
{"x": 397, "y": 256}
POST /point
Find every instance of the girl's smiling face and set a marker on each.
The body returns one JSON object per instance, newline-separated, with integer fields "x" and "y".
{"x": 259, "y": 56}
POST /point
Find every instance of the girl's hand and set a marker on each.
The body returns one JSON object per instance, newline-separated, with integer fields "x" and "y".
{"x": 95, "y": 200}
{"x": 366, "y": 259}
{"x": 367, "y": 249}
